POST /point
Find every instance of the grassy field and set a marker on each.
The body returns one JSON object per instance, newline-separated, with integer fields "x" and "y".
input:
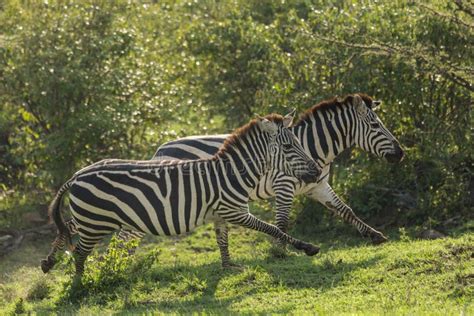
{"x": 183, "y": 275}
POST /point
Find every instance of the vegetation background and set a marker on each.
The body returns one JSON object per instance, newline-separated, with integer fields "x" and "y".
{"x": 85, "y": 80}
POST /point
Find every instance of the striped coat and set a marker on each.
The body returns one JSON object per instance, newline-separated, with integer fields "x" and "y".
{"x": 325, "y": 130}
{"x": 174, "y": 197}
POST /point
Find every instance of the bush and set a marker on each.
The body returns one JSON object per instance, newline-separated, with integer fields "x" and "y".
{"x": 41, "y": 289}
{"x": 82, "y": 82}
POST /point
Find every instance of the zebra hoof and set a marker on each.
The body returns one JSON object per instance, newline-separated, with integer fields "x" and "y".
{"x": 378, "y": 238}
{"x": 310, "y": 249}
{"x": 46, "y": 265}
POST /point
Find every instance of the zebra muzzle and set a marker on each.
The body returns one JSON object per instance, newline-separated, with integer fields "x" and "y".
{"x": 310, "y": 178}
{"x": 396, "y": 156}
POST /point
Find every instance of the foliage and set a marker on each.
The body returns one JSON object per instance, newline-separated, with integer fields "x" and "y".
{"x": 81, "y": 82}
{"x": 109, "y": 272}
{"x": 40, "y": 290}
{"x": 103, "y": 274}
{"x": 88, "y": 80}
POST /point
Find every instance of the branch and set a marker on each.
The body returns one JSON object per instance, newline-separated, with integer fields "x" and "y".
{"x": 37, "y": 116}
{"x": 440, "y": 65}
{"x": 447, "y": 16}
{"x": 461, "y": 6}
{"x": 10, "y": 239}
{"x": 387, "y": 49}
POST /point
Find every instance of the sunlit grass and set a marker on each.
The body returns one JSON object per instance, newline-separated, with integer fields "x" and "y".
{"x": 184, "y": 275}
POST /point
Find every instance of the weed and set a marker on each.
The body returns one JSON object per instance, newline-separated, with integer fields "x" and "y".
{"x": 404, "y": 234}
{"x": 40, "y": 290}
{"x": 19, "y": 307}
{"x": 189, "y": 284}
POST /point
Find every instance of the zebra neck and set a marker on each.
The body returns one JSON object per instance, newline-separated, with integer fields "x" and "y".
{"x": 325, "y": 134}
{"x": 242, "y": 165}
{"x": 243, "y": 173}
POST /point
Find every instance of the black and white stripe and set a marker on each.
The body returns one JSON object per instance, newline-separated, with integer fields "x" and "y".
{"x": 324, "y": 131}
{"x": 174, "y": 197}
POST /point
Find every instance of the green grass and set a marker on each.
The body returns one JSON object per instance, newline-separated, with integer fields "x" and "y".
{"x": 183, "y": 275}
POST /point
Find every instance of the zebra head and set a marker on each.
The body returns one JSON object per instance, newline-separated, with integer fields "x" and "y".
{"x": 286, "y": 153}
{"x": 371, "y": 134}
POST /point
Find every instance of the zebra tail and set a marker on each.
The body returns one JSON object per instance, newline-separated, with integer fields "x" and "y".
{"x": 55, "y": 214}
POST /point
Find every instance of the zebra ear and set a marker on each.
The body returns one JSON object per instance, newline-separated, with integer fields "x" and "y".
{"x": 375, "y": 104}
{"x": 267, "y": 126}
{"x": 288, "y": 119}
{"x": 360, "y": 106}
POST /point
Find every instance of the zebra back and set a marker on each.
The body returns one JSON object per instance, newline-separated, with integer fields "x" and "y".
{"x": 191, "y": 148}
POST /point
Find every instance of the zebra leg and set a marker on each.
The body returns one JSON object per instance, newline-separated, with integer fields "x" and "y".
{"x": 284, "y": 194}
{"x": 247, "y": 220}
{"x": 221, "y": 229}
{"x": 57, "y": 245}
{"x": 50, "y": 261}
{"x": 83, "y": 249}
{"x": 325, "y": 195}
{"x": 126, "y": 235}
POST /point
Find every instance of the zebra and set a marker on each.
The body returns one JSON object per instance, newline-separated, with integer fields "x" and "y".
{"x": 324, "y": 130}
{"x": 174, "y": 197}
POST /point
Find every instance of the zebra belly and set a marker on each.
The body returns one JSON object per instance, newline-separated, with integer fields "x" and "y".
{"x": 98, "y": 219}
{"x": 102, "y": 203}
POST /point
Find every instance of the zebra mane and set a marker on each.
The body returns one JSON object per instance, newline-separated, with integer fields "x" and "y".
{"x": 332, "y": 104}
{"x": 244, "y": 130}
{"x": 124, "y": 164}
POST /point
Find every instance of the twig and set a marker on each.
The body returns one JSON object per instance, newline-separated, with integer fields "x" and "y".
{"x": 387, "y": 49}
{"x": 461, "y": 6}
{"x": 8, "y": 244}
{"x": 446, "y": 16}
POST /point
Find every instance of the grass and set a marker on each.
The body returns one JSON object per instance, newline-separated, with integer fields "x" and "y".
{"x": 183, "y": 275}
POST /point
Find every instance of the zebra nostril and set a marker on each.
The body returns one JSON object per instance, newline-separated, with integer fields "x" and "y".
{"x": 397, "y": 154}
{"x": 401, "y": 153}
{"x": 398, "y": 151}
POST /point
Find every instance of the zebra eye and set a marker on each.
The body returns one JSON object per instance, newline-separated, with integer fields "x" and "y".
{"x": 374, "y": 125}
{"x": 287, "y": 146}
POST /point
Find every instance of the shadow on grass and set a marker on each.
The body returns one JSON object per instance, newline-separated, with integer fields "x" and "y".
{"x": 209, "y": 288}
{"x": 28, "y": 255}
{"x": 296, "y": 272}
